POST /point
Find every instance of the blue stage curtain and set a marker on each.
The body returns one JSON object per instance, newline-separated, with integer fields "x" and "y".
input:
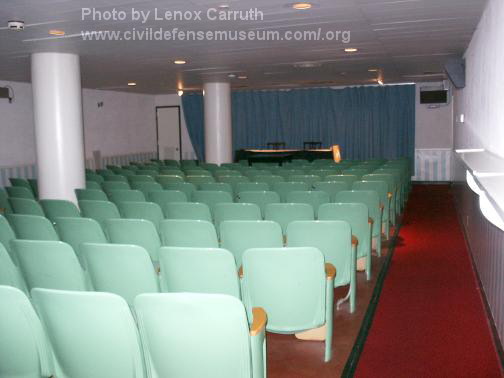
{"x": 192, "y": 105}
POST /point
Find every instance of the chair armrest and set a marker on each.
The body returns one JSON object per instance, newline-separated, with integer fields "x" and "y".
{"x": 330, "y": 271}
{"x": 240, "y": 272}
{"x": 389, "y": 195}
{"x": 259, "y": 319}
{"x": 355, "y": 241}
{"x": 370, "y": 220}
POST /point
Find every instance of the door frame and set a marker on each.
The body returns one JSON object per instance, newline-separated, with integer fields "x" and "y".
{"x": 179, "y": 127}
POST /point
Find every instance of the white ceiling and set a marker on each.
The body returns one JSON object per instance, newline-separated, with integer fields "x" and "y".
{"x": 408, "y": 40}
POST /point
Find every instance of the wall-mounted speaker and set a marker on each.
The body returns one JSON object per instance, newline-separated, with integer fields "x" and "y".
{"x": 455, "y": 69}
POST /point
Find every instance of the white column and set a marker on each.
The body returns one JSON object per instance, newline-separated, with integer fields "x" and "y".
{"x": 218, "y": 132}
{"x": 57, "y": 110}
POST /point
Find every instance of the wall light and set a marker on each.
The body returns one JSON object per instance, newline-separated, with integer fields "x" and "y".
{"x": 131, "y": 84}
{"x": 301, "y": 6}
{"x": 57, "y": 32}
{"x": 180, "y": 92}
{"x": 351, "y": 49}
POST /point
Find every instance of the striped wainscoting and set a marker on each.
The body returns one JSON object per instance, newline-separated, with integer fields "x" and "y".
{"x": 433, "y": 164}
{"x": 21, "y": 171}
{"x": 126, "y": 159}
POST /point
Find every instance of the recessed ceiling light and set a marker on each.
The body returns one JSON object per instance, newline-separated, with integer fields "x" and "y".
{"x": 131, "y": 84}
{"x": 243, "y": 77}
{"x": 301, "y": 6}
{"x": 224, "y": 6}
{"x": 57, "y": 32}
{"x": 231, "y": 75}
{"x": 351, "y": 49}
{"x": 373, "y": 70}
{"x": 179, "y": 61}
{"x": 180, "y": 92}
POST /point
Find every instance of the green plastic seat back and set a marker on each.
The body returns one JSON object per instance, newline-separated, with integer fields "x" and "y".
{"x": 94, "y": 177}
{"x": 76, "y": 231}
{"x": 92, "y": 334}
{"x": 93, "y": 185}
{"x": 357, "y": 215}
{"x": 194, "y": 335}
{"x": 284, "y": 188}
{"x": 331, "y": 187}
{"x": 286, "y": 173}
{"x": 185, "y": 187}
{"x": 308, "y": 179}
{"x": 233, "y": 180}
{"x": 197, "y": 172}
{"x": 198, "y": 180}
{"x": 117, "y": 178}
{"x": 21, "y": 182}
{"x": 6, "y": 235}
{"x": 91, "y": 194}
{"x": 188, "y": 233}
{"x": 24, "y": 351}
{"x": 146, "y": 187}
{"x": 198, "y": 270}
{"x": 163, "y": 197}
{"x": 251, "y": 187}
{"x": 369, "y": 198}
{"x": 315, "y": 198}
{"x": 108, "y": 186}
{"x": 187, "y": 210}
{"x": 99, "y": 210}
{"x": 235, "y": 211}
{"x": 10, "y": 275}
{"x": 332, "y": 238}
{"x": 238, "y": 236}
{"x": 142, "y": 210}
{"x": 387, "y": 177}
{"x": 284, "y": 213}
{"x": 226, "y": 172}
{"x": 132, "y": 195}
{"x": 32, "y": 227}
{"x": 59, "y": 208}
{"x": 323, "y": 173}
{"x": 211, "y": 198}
{"x": 135, "y": 231}
{"x": 268, "y": 179}
{"x": 348, "y": 179}
{"x": 261, "y": 199}
{"x": 49, "y": 265}
{"x": 269, "y": 277}
{"x": 5, "y": 206}
{"x": 217, "y": 186}
{"x": 169, "y": 172}
{"x": 141, "y": 177}
{"x": 125, "y": 270}
{"x": 356, "y": 172}
{"x": 19, "y": 192}
{"x": 381, "y": 187}
{"x": 170, "y": 179}
{"x": 26, "y": 206}
{"x": 105, "y": 172}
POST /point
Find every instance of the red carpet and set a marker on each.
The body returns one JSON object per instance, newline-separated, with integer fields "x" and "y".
{"x": 430, "y": 320}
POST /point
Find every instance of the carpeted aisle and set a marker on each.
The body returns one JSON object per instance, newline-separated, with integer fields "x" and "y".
{"x": 430, "y": 320}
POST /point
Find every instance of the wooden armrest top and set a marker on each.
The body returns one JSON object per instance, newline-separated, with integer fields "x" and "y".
{"x": 355, "y": 241}
{"x": 259, "y": 319}
{"x": 389, "y": 194}
{"x": 240, "y": 272}
{"x": 370, "y": 220}
{"x": 330, "y": 271}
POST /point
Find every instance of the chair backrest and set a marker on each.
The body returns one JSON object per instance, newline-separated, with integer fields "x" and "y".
{"x": 10, "y": 275}
{"x": 76, "y": 231}
{"x": 93, "y": 185}
{"x": 188, "y": 233}
{"x": 141, "y": 176}
{"x": 348, "y": 179}
{"x": 175, "y": 327}
{"x": 198, "y": 270}
{"x": 173, "y": 178}
{"x": 198, "y": 180}
{"x": 32, "y": 227}
{"x": 15, "y": 181}
{"x": 314, "y": 198}
{"x": 284, "y": 213}
{"x": 24, "y": 351}
{"x": 135, "y": 231}
{"x": 217, "y": 186}
{"x": 269, "y": 276}
{"x": 369, "y": 198}
{"x": 59, "y": 208}
{"x": 380, "y": 187}
{"x": 26, "y": 206}
{"x": 233, "y": 180}
{"x": 146, "y": 187}
{"x": 162, "y": 197}
{"x": 187, "y": 210}
{"x": 92, "y": 334}
{"x": 19, "y": 192}
{"x": 238, "y": 236}
{"x": 251, "y": 187}
{"x": 132, "y": 195}
{"x": 100, "y": 211}
{"x": 116, "y": 177}
{"x": 308, "y": 179}
{"x": 261, "y": 199}
{"x": 268, "y": 179}
{"x": 125, "y": 270}
{"x": 107, "y": 186}
{"x": 94, "y": 177}
{"x": 185, "y": 187}
{"x": 49, "y": 265}
{"x": 142, "y": 210}
{"x": 211, "y": 198}
{"x": 5, "y": 206}
{"x": 332, "y": 238}
{"x": 91, "y": 194}
{"x": 331, "y": 187}
{"x": 235, "y": 211}
{"x": 284, "y": 188}
{"x": 6, "y": 235}
{"x": 197, "y": 172}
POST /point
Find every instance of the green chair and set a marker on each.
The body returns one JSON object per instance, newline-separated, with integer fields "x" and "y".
{"x": 125, "y": 270}
{"x": 314, "y": 198}
{"x": 188, "y": 233}
{"x": 91, "y": 194}
{"x": 381, "y": 187}
{"x": 331, "y": 187}
{"x": 116, "y": 177}
{"x": 261, "y": 199}
{"x": 356, "y": 172}
{"x": 286, "y": 173}
{"x": 26, "y": 206}
{"x": 308, "y": 179}
{"x": 6, "y": 235}
{"x": 132, "y": 195}
{"x": 93, "y": 185}
{"x": 186, "y": 187}
{"x": 269, "y": 278}
{"x": 92, "y": 334}
{"x": 10, "y": 275}
{"x": 146, "y": 187}
{"x": 238, "y": 236}
{"x": 225, "y": 172}
{"x": 21, "y": 182}
{"x": 323, "y": 173}
{"x": 140, "y": 177}
{"x": 169, "y": 172}
{"x": 251, "y": 187}
{"x": 235, "y": 211}
{"x": 284, "y": 188}
{"x": 198, "y": 270}
{"x": 108, "y": 186}
{"x": 32, "y": 227}
{"x": 24, "y": 350}
{"x": 188, "y": 211}
{"x": 198, "y": 172}
{"x": 59, "y": 208}
{"x": 393, "y": 189}
{"x": 348, "y": 179}
{"x": 139, "y": 232}
{"x": 233, "y": 180}
{"x": 5, "y": 207}
{"x": 94, "y": 177}
{"x": 198, "y": 180}
{"x": 285, "y": 213}
{"x": 34, "y": 186}
{"x": 76, "y": 231}
{"x": 99, "y": 210}
{"x": 357, "y": 215}
{"x": 211, "y": 198}
{"x": 105, "y": 172}
{"x": 163, "y": 197}
{"x": 334, "y": 239}
{"x": 401, "y": 182}
{"x": 201, "y": 335}
{"x": 49, "y": 265}
{"x": 217, "y": 186}
{"x": 169, "y": 179}
{"x": 141, "y": 210}
{"x": 19, "y": 192}
{"x": 268, "y": 179}
{"x": 371, "y": 199}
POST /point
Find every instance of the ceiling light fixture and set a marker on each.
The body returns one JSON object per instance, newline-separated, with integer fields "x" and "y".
{"x": 373, "y": 70}
{"x": 231, "y": 75}
{"x": 301, "y": 6}
{"x": 351, "y": 49}
{"x": 224, "y": 6}
{"x": 243, "y": 77}
{"x": 131, "y": 84}
{"x": 57, "y": 32}
{"x": 180, "y": 92}
{"x": 179, "y": 61}
{"x": 380, "y": 81}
